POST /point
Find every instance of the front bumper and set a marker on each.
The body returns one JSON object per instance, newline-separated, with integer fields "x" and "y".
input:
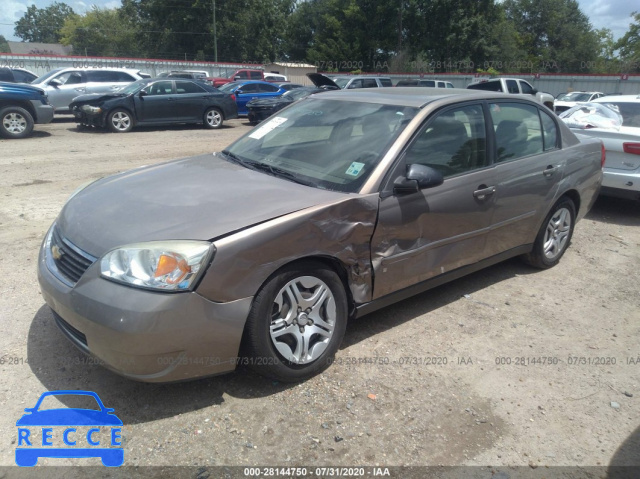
{"x": 44, "y": 113}
{"x": 258, "y": 114}
{"x": 621, "y": 183}
{"x": 145, "y": 335}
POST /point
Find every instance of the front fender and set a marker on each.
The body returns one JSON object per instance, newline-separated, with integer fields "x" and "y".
{"x": 340, "y": 230}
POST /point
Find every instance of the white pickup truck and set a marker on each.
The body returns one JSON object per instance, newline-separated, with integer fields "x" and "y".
{"x": 515, "y": 86}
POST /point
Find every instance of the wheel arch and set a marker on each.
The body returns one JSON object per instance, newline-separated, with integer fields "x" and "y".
{"x": 574, "y": 196}
{"x": 20, "y": 104}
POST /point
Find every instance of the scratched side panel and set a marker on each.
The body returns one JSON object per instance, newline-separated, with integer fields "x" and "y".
{"x": 341, "y": 230}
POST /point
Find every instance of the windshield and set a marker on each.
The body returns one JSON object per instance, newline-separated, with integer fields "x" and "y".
{"x": 228, "y": 86}
{"x": 341, "y": 82}
{"x": 133, "y": 87}
{"x": 327, "y": 144}
{"x": 577, "y": 97}
{"x": 46, "y": 76}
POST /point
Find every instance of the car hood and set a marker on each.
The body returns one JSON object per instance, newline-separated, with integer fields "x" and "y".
{"x": 267, "y": 101}
{"x": 8, "y": 87}
{"x": 199, "y": 198}
{"x": 322, "y": 81}
{"x": 94, "y": 98}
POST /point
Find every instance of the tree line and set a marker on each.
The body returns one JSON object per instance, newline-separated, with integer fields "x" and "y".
{"x": 421, "y": 36}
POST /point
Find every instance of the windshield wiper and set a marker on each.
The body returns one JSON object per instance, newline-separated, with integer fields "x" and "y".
{"x": 272, "y": 170}
{"x": 280, "y": 173}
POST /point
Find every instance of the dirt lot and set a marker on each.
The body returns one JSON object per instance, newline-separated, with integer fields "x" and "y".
{"x": 382, "y": 403}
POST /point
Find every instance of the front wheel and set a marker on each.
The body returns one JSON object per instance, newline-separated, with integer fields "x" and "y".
{"x": 297, "y": 322}
{"x": 15, "y": 122}
{"x": 554, "y": 236}
{"x": 213, "y": 118}
{"x": 120, "y": 121}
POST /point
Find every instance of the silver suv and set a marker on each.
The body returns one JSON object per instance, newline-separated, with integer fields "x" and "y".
{"x": 62, "y": 85}
{"x": 349, "y": 82}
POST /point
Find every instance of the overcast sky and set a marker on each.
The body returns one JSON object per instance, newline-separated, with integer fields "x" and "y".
{"x": 613, "y": 14}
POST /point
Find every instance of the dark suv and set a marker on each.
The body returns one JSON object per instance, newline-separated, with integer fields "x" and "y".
{"x": 16, "y": 75}
{"x": 20, "y": 107}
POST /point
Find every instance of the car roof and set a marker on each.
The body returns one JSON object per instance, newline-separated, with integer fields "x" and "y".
{"x": 415, "y": 97}
{"x": 244, "y": 82}
{"x": 625, "y": 98}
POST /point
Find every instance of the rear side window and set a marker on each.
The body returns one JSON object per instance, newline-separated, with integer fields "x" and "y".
{"x": 103, "y": 76}
{"x": 549, "y": 131}
{"x": 512, "y": 86}
{"x": 487, "y": 86}
{"x": 428, "y": 83}
{"x": 6, "y": 75}
{"x": 386, "y": 82}
{"x": 517, "y": 130}
{"x": 268, "y": 88}
{"x": 183, "y": 87}
{"x": 630, "y": 112}
{"x": 369, "y": 83}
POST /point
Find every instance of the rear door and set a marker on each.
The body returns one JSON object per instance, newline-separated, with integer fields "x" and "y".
{"x": 529, "y": 166}
{"x": 190, "y": 99}
{"x": 424, "y": 234}
{"x": 107, "y": 81}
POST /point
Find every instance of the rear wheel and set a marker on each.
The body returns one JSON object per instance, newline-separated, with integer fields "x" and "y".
{"x": 554, "y": 236}
{"x": 120, "y": 121}
{"x": 15, "y": 122}
{"x": 297, "y": 322}
{"x": 213, "y": 118}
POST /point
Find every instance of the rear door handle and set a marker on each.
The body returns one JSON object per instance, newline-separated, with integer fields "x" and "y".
{"x": 483, "y": 191}
{"x": 550, "y": 170}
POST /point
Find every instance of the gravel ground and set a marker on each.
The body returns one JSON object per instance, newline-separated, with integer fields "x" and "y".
{"x": 506, "y": 367}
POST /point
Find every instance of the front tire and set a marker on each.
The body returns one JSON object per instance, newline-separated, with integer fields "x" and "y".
{"x": 554, "y": 236}
{"x": 296, "y": 323}
{"x": 213, "y": 118}
{"x": 15, "y": 122}
{"x": 120, "y": 121}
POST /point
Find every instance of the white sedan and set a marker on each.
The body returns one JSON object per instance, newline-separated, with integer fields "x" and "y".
{"x": 622, "y": 143}
{"x": 569, "y": 100}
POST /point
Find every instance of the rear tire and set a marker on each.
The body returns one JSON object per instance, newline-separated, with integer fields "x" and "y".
{"x": 213, "y": 119}
{"x": 554, "y": 236}
{"x": 296, "y": 323}
{"x": 15, "y": 122}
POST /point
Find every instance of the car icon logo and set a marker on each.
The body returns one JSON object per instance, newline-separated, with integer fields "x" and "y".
{"x": 81, "y": 430}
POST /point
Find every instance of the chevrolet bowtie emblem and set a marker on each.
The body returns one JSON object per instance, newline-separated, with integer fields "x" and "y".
{"x": 56, "y": 252}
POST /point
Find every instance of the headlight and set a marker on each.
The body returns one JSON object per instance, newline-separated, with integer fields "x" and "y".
{"x": 161, "y": 265}
{"x": 91, "y": 109}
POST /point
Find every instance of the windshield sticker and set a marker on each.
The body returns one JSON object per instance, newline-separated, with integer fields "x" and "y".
{"x": 354, "y": 169}
{"x": 267, "y": 127}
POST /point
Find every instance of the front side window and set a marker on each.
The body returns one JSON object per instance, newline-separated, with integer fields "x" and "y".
{"x": 160, "y": 88}
{"x": 249, "y": 88}
{"x": 327, "y": 144}
{"x": 268, "y": 88}
{"x": 517, "y": 130}
{"x": 256, "y": 75}
{"x": 453, "y": 142}
{"x": 526, "y": 88}
{"x": 369, "y": 83}
{"x": 512, "y": 86}
{"x": 356, "y": 84}
{"x": 70, "y": 78}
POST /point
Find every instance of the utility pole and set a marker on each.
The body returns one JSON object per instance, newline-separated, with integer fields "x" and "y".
{"x": 215, "y": 35}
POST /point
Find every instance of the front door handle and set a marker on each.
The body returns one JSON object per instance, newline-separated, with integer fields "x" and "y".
{"x": 550, "y": 170}
{"x": 483, "y": 191}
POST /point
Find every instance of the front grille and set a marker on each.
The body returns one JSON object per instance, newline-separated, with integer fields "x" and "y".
{"x": 70, "y": 261}
{"x": 73, "y": 334}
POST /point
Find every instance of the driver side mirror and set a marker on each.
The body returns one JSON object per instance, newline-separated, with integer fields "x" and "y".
{"x": 418, "y": 177}
{"x": 55, "y": 83}
{"x": 534, "y": 91}
{"x": 142, "y": 93}
{"x": 239, "y": 92}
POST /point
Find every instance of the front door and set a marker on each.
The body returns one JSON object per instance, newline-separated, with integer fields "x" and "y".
{"x": 424, "y": 234}
{"x": 158, "y": 103}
